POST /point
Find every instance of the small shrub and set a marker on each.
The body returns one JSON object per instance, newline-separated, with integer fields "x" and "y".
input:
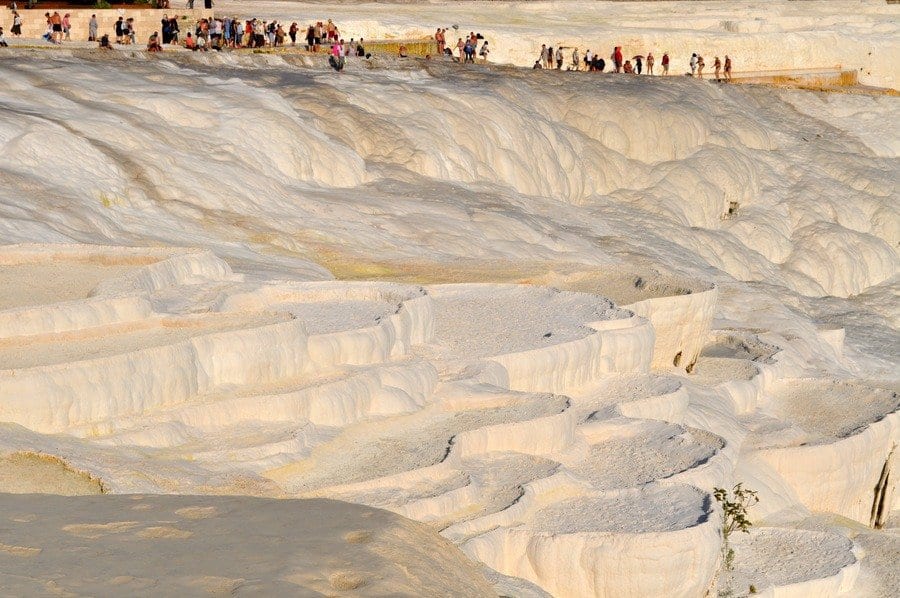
{"x": 734, "y": 518}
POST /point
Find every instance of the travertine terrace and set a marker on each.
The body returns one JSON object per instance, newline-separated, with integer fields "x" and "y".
{"x": 513, "y": 419}
{"x": 426, "y": 328}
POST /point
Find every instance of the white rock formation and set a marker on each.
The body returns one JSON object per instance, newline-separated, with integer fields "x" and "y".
{"x": 620, "y": 293}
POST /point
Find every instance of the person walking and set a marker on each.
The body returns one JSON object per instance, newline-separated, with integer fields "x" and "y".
{"x": 700, "y": 65}
{"x": 67, "y": 27}
{"x": 484, "y": 52}
{"x": 559, "y": 58}
{"x": 717, "y": 65}
{"x": 665, "y": 63}
{"x": 650, "y": 61}
{"x": 727, "y": 68}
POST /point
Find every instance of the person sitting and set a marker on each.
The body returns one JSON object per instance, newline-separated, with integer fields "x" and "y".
{"x": 201, "y": 44}
{"x": 104, "y": 42}
{"x": 153, "y": 44}
{"x": 190, "y": 43}
{"x": 628, "y": 68}
{"x": 403, "y": 52}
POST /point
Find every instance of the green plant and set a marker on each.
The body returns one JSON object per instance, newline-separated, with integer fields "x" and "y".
{"x": 752, "y": 589}
{"x": 102, "y": 4}
{"x": 734, "y": 518}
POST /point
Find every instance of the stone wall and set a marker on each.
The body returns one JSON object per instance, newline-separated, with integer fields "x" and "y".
{"x": 146, "y": 21}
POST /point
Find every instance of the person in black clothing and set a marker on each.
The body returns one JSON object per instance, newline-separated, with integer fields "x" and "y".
{"x": 120, "y": 29}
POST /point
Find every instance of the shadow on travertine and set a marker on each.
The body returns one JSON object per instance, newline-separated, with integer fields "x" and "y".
{"x": 143, "y": 545}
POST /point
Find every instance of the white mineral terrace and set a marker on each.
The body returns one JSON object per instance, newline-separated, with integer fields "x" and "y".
{"x": 514, "y": 419}
{"x": 522, "y": 323}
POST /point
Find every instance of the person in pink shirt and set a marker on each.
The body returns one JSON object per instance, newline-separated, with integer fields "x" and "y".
{"x": 336, "y": 60}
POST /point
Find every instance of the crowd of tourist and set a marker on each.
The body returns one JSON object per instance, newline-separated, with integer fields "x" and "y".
{"x": 636, "y": 65}
{"x": 220, "y": 33}
{"x": 466, "y": 47}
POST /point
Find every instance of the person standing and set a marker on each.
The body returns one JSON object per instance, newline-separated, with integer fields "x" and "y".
{"x": 174, "y": 30}
{"x": 461, "y": 47}
{"x": 120, "y": 30}
{"x": 650, "y": 61}
{"x": 545, "y": 56}
{"x": 16, "y": 25}
{"x": 227, "y": 31}
{"x": 165, "y": 27}
{"x": 717, "y": 65}
{"x": 727, "y": 68}
{"x": 67, "y": 27}
{"x": 576, "y": 59}
{"x": 694, "y": 62}
{"x": 638, "y": 65}
{"x": 93, "y": 26}
{"x": 559, "y": 58}
{"x": 700, "y": 65}
{"x": 665, "y": 63}
{"x": 292, "y": 32}
{"x": 3, "y": 43}
{"x": 469, "y": 50}
{"x": 588, "y": 59}
{"x": 618, "y": 58}
{"x": 56, "y": 26}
